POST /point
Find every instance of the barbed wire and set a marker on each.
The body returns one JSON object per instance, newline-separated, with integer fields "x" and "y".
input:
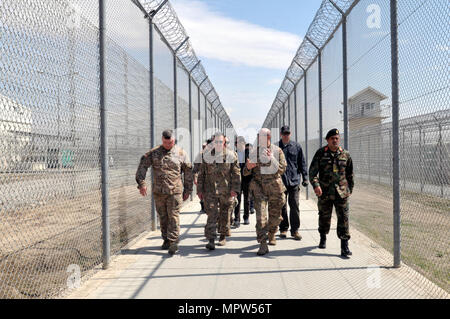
{"x": 168, "y": 24}
{"x": 324, "y": 24}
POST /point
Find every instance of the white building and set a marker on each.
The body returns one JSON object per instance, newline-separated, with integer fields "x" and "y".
{"x": 365, "y": 109}
{"x": 15, "y": 134}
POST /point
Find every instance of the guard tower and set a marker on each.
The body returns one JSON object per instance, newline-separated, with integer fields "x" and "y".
{"x": 365, "y": 109}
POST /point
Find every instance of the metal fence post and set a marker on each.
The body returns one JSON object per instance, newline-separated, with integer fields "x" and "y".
{"x": 306, "y": 125}
{"x": 175, "y": 91}
{"x": 319, "y": 57}
{"x": 345, "y": 79}
{"x": 206, "y": 111}
{"x": 369, "y": 158}
{"x": 106, "y": 240}
{"x": 190, "y": 117}
{"x": 289, "y": 110}
{"x": 280, "y": 116}
{"x": 175, "y": 84}
{"x": 320, "y": 101}
{"x": 190, "y": 125}
{"x": 199, "y": 116}
{"x": 150, "y": 17}
{"x": 152, "y": 110}
{"x": 395, "y": 134}
{"x": 441, "y": 158}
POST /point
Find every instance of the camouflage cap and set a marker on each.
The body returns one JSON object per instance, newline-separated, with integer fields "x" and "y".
{"x": 167, "y": 134}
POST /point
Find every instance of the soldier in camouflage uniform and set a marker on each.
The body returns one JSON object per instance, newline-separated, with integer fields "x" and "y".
{"x": 197, "y": 163}
{"x": 168, "y": 162}
{"x": 331, "y": 175}
{"x": 221, "y": 222}
{"x": 219, "y": 182}
{"x": 266, "y": 165}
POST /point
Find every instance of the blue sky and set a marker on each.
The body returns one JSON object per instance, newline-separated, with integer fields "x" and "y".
{"x": 246, "y": 47}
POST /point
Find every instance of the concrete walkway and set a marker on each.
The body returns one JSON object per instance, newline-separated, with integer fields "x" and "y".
{"x": 292, "y": 269}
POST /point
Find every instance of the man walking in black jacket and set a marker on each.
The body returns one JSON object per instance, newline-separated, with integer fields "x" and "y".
{"x": 296, "y": 166}
{"x": 243, "y": 154}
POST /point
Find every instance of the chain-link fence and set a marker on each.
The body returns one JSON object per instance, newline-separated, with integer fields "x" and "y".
{"x": 343, "y": 76}
{"x": 51, "y": 231}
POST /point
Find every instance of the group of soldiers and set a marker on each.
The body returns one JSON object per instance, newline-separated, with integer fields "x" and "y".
{"x": 217, "y": 173}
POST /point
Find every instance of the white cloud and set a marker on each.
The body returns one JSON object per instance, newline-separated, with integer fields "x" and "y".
{"x": 229, "y": 110}
{"x": 275, "y": 81}
{"x": 216, "y": 36}
{"x": 248, "y": 128}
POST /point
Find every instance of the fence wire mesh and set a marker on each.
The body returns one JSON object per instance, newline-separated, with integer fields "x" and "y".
{"x": 423, "y": 33}
{"x": 50, "y": 173}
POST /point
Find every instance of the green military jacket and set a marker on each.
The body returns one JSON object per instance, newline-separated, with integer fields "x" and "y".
{"x": 332, "y": 172}
{"x": 219, "y": 177}
{"x": 267, "y": 175}
{"x": 168, "y": 166}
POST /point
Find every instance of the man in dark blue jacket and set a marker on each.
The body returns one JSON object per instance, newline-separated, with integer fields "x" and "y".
{"x": 296, "y": 166}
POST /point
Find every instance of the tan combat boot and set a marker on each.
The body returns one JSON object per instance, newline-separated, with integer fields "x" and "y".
{"x": 283, "y": 234}
{"x": 263, "y": 249}
{"x": 272, "y": 239}
{"x": 222, "y": 240}
{"x": 229, "y": 232}
{"x": 297, "y": 236}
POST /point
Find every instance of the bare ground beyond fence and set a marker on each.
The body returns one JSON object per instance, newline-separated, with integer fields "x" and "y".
{"x": 34, "y": 264}
{"x": 424, "y": 247}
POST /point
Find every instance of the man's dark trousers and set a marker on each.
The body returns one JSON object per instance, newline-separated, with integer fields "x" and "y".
{"x": 293, "y": 194}
{"x": 244, "y": 191}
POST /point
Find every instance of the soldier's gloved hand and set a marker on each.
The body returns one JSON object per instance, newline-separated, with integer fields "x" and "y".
{"x": 305, "y": 184}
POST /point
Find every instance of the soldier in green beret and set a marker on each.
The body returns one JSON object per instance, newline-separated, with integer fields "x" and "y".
{"x": 331, "y": 175}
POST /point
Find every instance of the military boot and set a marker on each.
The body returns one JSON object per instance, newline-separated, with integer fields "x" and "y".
{"x": 211, "y": 245}
{"x": 165, "y": 245}
{"x": 173, "y": 248}
{"x": 263, "y": 249}
{"x": 272, "y": 239}
{"x": 323, "y": 241}
{"x": 229, "y": 233}
{"x": 345, "y": 251}
{"x": 283, "y": 234}
{"x": 297, "y": 236}
{"x": 222, "y": 240}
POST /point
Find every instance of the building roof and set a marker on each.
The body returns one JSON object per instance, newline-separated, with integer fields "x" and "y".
{"x": 367, "y": 90}
{"x": 13, "y": 112}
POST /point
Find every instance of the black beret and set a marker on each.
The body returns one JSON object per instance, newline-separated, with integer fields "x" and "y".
{"x": 332, "y": 132}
